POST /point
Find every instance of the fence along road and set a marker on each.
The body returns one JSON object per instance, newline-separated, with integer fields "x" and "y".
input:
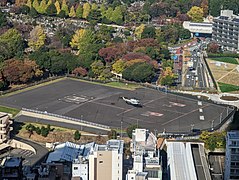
{"x": 63, "y": 119}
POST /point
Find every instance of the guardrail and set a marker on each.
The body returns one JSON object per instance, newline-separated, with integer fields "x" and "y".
{"x": 66, "y": 117}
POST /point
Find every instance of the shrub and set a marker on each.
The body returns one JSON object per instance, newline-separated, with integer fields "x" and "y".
{"x": 77, "y": 135}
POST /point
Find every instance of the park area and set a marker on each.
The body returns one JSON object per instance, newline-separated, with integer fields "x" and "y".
{"x": 225, "y": 73}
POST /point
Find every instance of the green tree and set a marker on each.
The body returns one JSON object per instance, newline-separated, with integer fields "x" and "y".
{"x": 51, "y": 10}
{"x": 11, "y": 44}
{"x": 65, "y": 8}
{"x": 94, "y": 6}
{"x": 3, "y": 20}
{"x": 86, "y": 10}
{"x": 77, "y": 135}
{"x": 97, "y": 67}
{"x": 30, "y": 128}
{"x": 130, "y": 129}
{"x": 37, "y": 38}
{"x": 139, "y": 72}
{"x": 117, "y": 15}
{"x": 109, "y": 13}
{"x": 83, "y": 40}
{"x": 72, "y": 12}
{"x": 148, "y": 32}
{"x": 196, "y": 13}
{"x": 44, "y": 131}
{"x": 42, "y": 7}
{"x": 79, "y": 11}
{"x": 33, "y": 12}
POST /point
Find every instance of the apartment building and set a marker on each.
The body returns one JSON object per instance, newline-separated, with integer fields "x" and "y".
{"x": 106, "y": 161}
{"x": 225, "y": 30}
{"x": 147, "y": 162}
{"x": 232, "y": 156}
{"x": 5, "y": 128}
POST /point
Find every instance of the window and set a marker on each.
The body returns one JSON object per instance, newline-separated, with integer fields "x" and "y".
{"x": 100, "y": 162}
{"x": 75, "y": 168}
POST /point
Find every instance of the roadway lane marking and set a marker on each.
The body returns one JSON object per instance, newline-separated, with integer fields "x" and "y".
{"x": 103, "y": 104}
{"x": 125, "y": 111}
{"x": 182, "y": 115}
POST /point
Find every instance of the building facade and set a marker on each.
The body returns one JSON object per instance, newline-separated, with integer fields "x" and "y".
{"x": 5, "y": 127}
{"x": 225, "y": 30}
{"x": 106, "y": 162}
{"x": 232, "y": 156}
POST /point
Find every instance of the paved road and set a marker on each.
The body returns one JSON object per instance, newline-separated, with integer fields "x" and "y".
{"x": 31, "y": 159}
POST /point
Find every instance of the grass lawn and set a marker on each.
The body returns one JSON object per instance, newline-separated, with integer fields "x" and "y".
{"x": 226, "y": 60}
{"x": 12, "y": 111}
{"x": 227, "y": 87}
{"x": 123, "y": 85}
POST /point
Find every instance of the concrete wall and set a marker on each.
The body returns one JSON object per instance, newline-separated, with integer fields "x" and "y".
{"x": 20, "y": 145}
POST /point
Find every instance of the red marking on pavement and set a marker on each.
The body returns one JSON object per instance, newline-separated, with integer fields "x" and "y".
{"x": 177, "y": 104}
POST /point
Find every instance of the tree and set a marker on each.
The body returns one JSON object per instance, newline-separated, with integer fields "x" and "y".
{"x": 86, "y": 10}
{"x": 44, "y": 131}
{"x": 36, "y": 5}
{"x": 97, "y": 68}
{"x": 196, "y": 13}
{"x": 94, "y": 16}
{"x": 29, "y": 3}
{"x": 72, "y": 12}
{"x": 77, "y": 135}
{"x": 117, "y": 15}
{"x": 65, "y": 7}
{"x": 33, "y": 12}
{"x": 112, "y": 134}
{"x": 148, "y": 32}
{"x": 30, "y": 128}
{"x": 51, "y": 10}
{"x": 130, "y": 129}
{"x": 37, "y": 38}
{"x": 119, "y": 66}
{"x": 139, "y": 72}
{"x": 58, "y": 7}
{"x": 139, "y": 30}
{"x": 79, "y": 71}
{"x": 204, "y": 6}
{"x": 84, "y": 41}
{"x": 213, "y": 47}
{"x": 11, "y": 44}
{"x": 3, "y": 20}
{"x": 17, "y": 71}
{"x": 43, "y": 7}
{"x": 79, "y": 11}
{"x": 24, "y": 9}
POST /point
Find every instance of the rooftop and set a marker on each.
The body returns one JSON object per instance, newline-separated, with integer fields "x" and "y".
{"x": 233, "y": 134}
{"x": 11, "y": 162}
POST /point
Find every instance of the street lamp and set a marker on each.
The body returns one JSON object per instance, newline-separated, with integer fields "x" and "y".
{"x": 212, "y": 125}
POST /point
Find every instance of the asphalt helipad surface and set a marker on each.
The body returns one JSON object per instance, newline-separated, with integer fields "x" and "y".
{"x": 103, "y": 105}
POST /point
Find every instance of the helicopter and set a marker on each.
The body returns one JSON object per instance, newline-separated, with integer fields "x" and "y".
{"x": 132, "y": 101}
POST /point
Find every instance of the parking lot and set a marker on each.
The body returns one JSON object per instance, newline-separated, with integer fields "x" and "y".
{"x": 104, "y": 105}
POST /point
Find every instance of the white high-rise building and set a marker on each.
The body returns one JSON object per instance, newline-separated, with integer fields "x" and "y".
{"x": 225, "y": 30}
{"x": 232, "y": 156}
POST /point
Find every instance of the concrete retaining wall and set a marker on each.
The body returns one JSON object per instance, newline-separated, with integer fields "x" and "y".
{"x": 20, "y": 145}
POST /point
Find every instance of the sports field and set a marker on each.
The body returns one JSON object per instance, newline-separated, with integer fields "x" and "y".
{"x": 103, "y": 105}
